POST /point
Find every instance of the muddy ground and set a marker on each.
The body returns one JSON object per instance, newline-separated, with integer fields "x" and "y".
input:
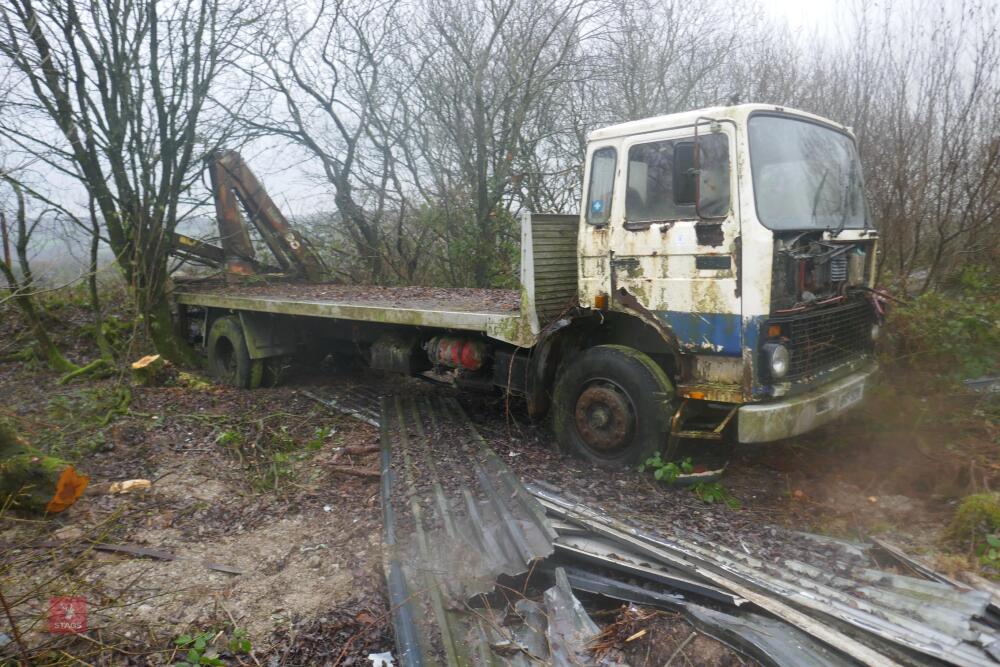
{"x": 276, "y": 548}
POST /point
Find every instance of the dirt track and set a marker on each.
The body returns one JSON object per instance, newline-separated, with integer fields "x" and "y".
{"x": 306, "y": 540}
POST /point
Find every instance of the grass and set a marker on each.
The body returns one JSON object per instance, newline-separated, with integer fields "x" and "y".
{"x": 271, "y": 454}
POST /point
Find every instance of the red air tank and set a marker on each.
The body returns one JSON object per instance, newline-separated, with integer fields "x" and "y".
{"x": 456, "y": 352}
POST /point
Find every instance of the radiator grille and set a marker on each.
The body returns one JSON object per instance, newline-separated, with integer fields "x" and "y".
{"x": 824, "y": 338}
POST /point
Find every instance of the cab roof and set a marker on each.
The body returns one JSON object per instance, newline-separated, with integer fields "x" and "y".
{"x": 736, "y": 112}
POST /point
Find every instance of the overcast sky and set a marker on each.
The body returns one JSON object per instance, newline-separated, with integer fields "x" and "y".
{"x": 284, "y": 173}
{"x": 802, "y": 15}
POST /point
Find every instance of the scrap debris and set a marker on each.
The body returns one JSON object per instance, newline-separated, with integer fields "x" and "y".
{"x": 467, "y": 543}
{"x": 455, "y": 519}
{"x": 840, "y": 606}
{"x": 360, "y": 411}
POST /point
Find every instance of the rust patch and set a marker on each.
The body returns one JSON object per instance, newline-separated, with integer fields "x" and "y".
{"x": 738, "y": 263}
{"x": 630, "y": 302}
{"x": 709, "y": 233}
{"x": 631, "y": 265}
{"x": 719, "y": 393}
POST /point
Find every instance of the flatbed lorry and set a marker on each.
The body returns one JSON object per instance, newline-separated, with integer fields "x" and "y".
{"x": 716, "y": 287}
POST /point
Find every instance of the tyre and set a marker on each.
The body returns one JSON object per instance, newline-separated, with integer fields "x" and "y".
{"x": 228, "y": 357}
{"x": 612, "y": 406}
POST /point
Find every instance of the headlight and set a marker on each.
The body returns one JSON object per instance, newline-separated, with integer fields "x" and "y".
{"x": 875, "y": 331}
{"x": 777, "y": 359}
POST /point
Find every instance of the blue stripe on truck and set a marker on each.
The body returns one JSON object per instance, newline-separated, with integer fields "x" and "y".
{"x": 718, "y": 333}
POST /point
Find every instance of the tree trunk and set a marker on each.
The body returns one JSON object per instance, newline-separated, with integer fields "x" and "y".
{"x": 95, "y": 299}
{"x": 32, "y": 481}
{"x": 166, "y": 339}
{"x": 47, "y": 350}
{"x": 151, "y": 371}
{"x": 148, "y": 278}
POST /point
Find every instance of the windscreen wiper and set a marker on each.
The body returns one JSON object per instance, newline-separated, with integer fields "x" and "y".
{"x": 844, "y": 203}
{"x": 819, "y": 189}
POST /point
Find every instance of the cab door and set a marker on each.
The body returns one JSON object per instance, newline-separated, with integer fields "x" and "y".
{"x": 599, "y": 206}
{"x": 673, "y": 245}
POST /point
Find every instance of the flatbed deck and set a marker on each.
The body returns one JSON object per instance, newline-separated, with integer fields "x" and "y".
{"x": 464, "y": 308}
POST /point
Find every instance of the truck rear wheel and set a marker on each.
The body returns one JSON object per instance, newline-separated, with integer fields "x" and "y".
{"x": 228, "y": 356}
{"x": 612, "y": 406}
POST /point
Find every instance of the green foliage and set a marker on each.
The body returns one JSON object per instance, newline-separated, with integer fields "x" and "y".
{"x": 666, "y": 471}
{"x": 117, "y": 331}
{"x": 714, "y": 492}
{"x": 669, "y": 471}
{"x": 483, "y": 254}
{"x": 238, "y": 642}
{"x": 229, "y": 438}
{"x": 28, "y": 355}
{"x": 199, "y": 649}
{"x": 955, "y": 331}
{"x": 78, "y": 418}
{"x": 272, "y": 455}
{"x": 320, "y": 436}
{"x": 71, "y": 297}
{"x": 976, "y": 520}
{"x": 989, "y": 552}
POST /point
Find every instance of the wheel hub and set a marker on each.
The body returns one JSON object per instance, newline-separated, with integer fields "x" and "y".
{"x": 225, "y": 363}
{"x": 604, "y": 417}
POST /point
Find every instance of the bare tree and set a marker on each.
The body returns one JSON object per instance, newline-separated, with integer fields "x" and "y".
{"x": 324, "y": 69}
{"x": 921, "y": 85}
{"x": 116, "y": 95}
{"x": 21, "y": 281}
{"x": 486, "y": 78}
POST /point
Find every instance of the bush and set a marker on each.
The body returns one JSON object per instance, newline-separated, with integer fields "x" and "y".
{"x": 977, "y": 517}
{"x": 954, "y": 331}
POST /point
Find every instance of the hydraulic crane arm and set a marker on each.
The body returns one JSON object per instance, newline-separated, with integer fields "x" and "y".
{"x": 235, "y": 186}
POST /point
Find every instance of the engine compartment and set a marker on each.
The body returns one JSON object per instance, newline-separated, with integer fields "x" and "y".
{"x": 808, "y": 270}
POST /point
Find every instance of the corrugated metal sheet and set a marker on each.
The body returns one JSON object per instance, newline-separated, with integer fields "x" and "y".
{"x": 455, "y": 518}
{"x": 835, "y": 593}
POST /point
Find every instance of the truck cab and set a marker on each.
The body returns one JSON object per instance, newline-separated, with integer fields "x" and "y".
{"x": 741, "y": 236}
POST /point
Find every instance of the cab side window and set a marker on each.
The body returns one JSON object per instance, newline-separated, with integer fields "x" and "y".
{"x": 665, "y": 180}
{"x": 601, "y": 186}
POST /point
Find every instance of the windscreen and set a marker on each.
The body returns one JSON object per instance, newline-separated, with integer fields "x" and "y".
{"x": 805, "y": 175}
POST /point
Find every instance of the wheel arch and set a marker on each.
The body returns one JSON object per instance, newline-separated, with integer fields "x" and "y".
{"x": 246, "y": 372}
{"x": 573, "y": 335}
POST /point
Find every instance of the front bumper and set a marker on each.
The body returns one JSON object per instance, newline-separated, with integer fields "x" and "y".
{"x": 766, "y": 422}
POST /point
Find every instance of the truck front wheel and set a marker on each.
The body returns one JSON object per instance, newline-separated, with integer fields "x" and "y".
{"x": 228, "y": 357}
{"x": 612, "y": 406}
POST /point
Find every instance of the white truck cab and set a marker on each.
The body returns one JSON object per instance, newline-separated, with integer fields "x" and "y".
{"x": 742, "y": 234}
